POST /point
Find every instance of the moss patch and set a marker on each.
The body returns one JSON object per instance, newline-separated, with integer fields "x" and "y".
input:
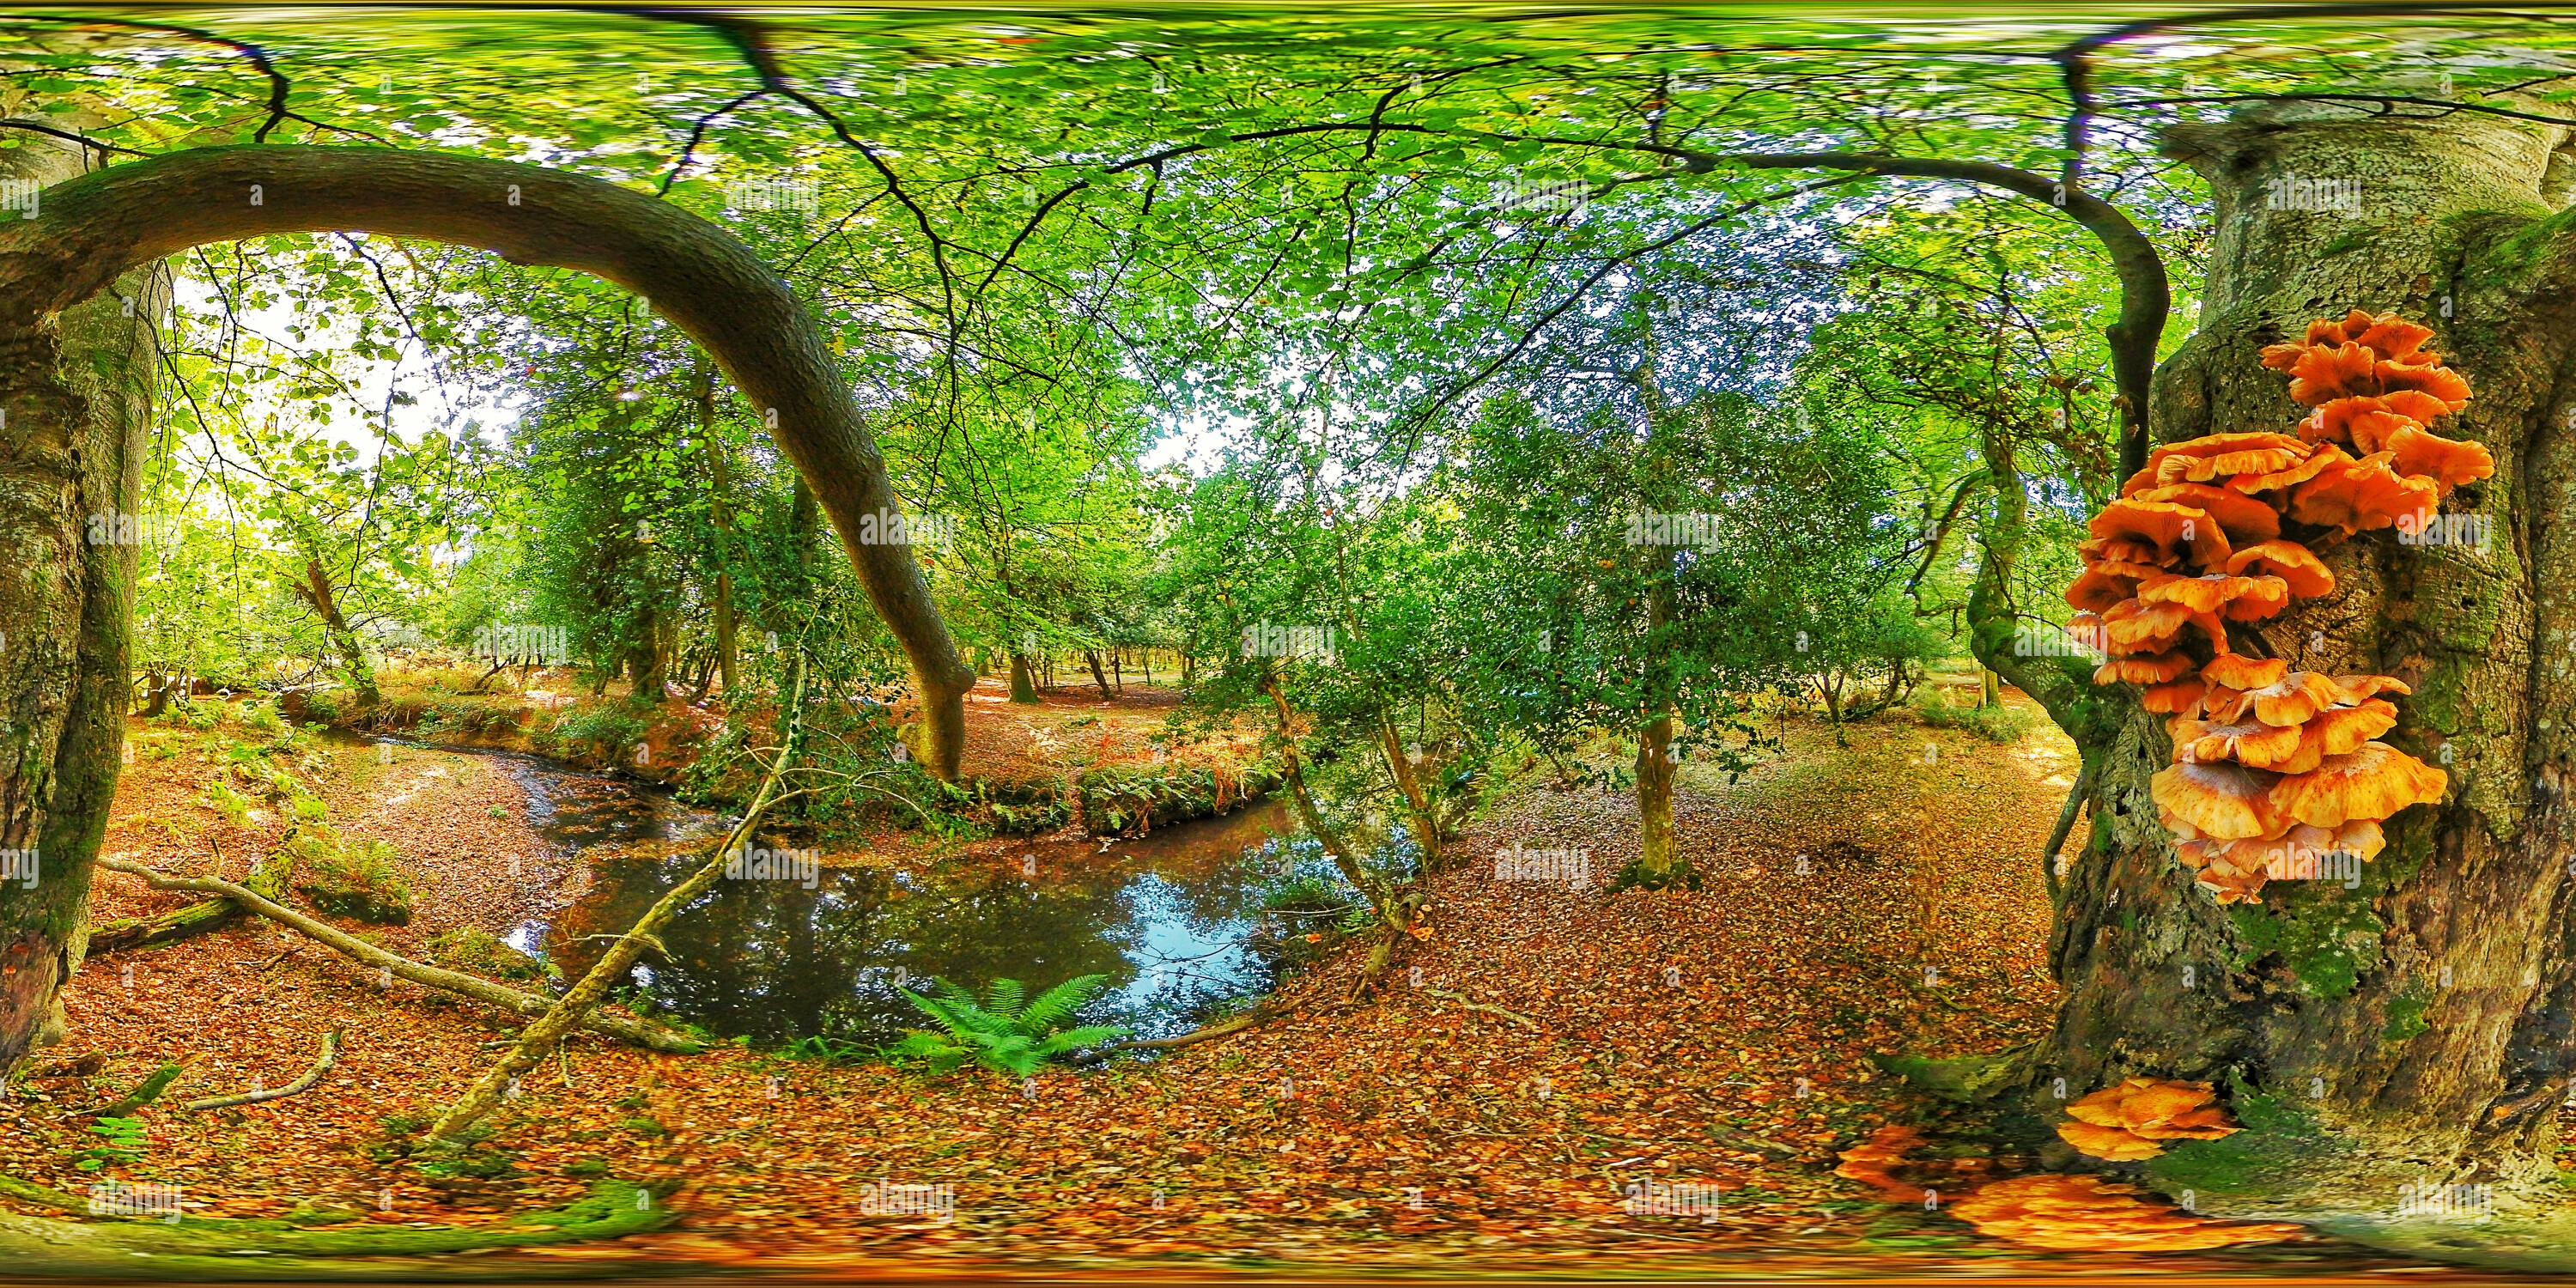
{"x": 2279, "y": 1137}
{"x": 2406, "y": 1015}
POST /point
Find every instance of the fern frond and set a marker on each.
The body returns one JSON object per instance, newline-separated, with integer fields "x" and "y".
{"x": 941, "y": 1053}
{"x": 1056, "y": 1005}
{"x": 1089, "y": 1035}
{"x": 944, "y": 1011}
{"x": 1005, "y": 999}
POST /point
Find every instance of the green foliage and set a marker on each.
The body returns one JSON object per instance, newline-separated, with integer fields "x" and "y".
{"x": 609, "y": 728}
{"x": 232, "y": 805}
{"x": 329, "y": 706}
{"x": 820, "y": 1049}
{"x": 1007, "y": 1032}
{"x": 347, "y": 877}
{"x": 122, "y": 1143}
{"x": 479, "y": 952}
{"x": 2002, "y": 724}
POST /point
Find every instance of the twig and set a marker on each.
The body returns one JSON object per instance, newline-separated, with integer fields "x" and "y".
{"x": 1463, "y": 1000}
{"x": 312, "y": 1077}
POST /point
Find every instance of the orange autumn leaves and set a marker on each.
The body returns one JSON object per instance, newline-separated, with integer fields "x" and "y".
{"x": 2277, "y": 772}
{"x": 2123, "y": 1123}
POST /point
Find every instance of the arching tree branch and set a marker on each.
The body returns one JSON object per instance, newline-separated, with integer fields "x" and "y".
{"x": 710, "y": 285}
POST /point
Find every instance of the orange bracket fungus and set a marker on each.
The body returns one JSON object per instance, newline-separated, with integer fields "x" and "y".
{"x": 2276, "y": 771}
{"x": 2087, "y": 1214}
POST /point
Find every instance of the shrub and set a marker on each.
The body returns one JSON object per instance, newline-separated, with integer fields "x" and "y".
{"x": 262, "y": 717}
{"x": 1002, "y": 1033}
{"x": 233, "y": 805}
{"x": 348, "y": 878}
{"x": 614, "y": 726}
{"x": 1996, "y": 724}
{"x": 325, "y": 705}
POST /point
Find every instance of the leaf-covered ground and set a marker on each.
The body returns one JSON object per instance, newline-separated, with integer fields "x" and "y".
{"x": 1883, "y": 897}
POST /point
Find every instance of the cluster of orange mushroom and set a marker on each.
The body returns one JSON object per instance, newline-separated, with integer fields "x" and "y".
{"x": 2125, "y": 1121}
{"x": 2087, "y": 1214}
{"x": 2047, "y": 1210}
{"x": 2274, "y": 768}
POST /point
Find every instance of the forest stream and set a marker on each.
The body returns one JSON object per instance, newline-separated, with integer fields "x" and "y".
{"x": 1174, "y": 918}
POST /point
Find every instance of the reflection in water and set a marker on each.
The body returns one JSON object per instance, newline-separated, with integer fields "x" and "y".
{"x": 1174, "y": 918}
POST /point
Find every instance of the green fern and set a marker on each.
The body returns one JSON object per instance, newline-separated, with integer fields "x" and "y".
{"x": 1005, "y": 1032}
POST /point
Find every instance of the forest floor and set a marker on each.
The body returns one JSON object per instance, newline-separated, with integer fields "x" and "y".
{"x": 1721, "y": 1038}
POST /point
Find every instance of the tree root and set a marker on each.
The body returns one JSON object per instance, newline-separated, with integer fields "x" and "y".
{"x": 312, "y": 1077}
{"x": 1461, "y": 999}
{"x": 1221, "y": 1029}
{"x": 643, "y": 1033}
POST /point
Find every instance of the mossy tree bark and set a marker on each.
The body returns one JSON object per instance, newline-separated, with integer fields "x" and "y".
{"x": 2415, "y": 1030}
{"x": 71, "y": 446}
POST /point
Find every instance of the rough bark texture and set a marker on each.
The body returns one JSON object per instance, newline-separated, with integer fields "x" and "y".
{"x": 2415, "y": 1030}
{"x": 705, "y": 282}
{"x": 70, "y": 447}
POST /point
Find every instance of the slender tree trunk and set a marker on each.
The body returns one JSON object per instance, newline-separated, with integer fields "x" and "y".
{"x": 1395, "y": 908}
{"x": 1417, "y": 805}
{"x": 1023, "y": 689}
{"x": 1092, "y": 655}
{"x": 1660, "y": 863}
{"x": 719, "y": 497}
{"x": 644, "y": 650}
{"x": 2415, "y": 1030}
{"x": 317, "y": 592}
{"x": 1990, "y": 692}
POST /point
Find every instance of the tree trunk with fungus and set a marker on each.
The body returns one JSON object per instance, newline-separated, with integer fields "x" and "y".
{"x": 2415, "y": 1030}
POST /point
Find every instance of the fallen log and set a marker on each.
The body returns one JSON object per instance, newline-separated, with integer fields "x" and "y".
{"x": 643, "y": 1033}
{"x": 183, "y": 923}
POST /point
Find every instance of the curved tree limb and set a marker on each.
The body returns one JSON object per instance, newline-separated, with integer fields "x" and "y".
{"x": 640, "y": 1032}
{"x": 2146, "y": 295}
{"x": 706, "y": 282}
{"x": 312, "y": 1078}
